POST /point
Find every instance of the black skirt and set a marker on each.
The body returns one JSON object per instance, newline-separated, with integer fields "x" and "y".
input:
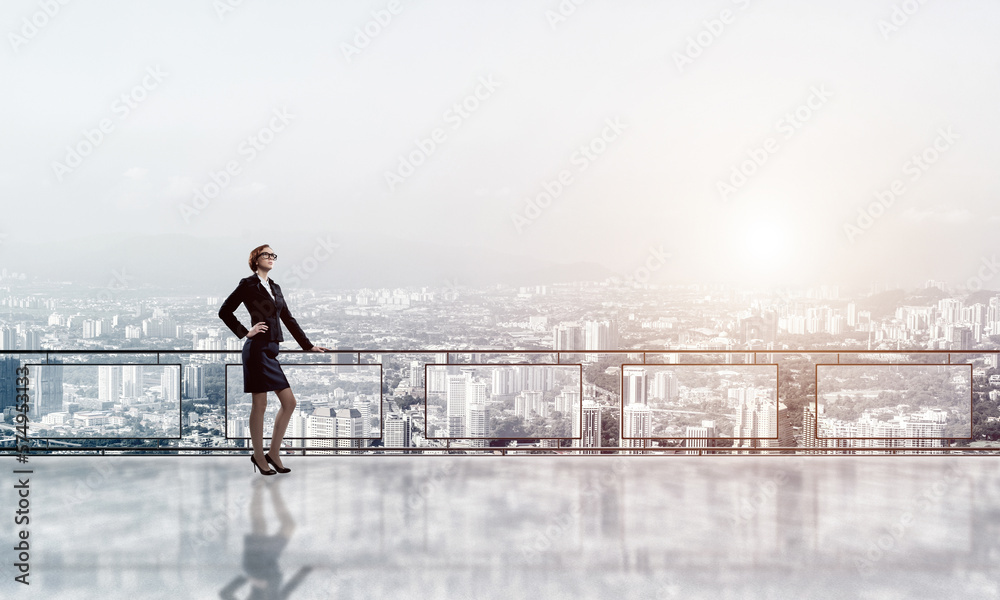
{"x": 261, "y": 370}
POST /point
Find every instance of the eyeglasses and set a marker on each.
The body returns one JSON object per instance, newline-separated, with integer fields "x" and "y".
{"x": 269, "y": 255}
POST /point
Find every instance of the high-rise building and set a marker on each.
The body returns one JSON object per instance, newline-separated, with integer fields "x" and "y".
{"x": 568, "y": 336}
{"x": 30, "y": 340}
{"x": 633, "y": 385}
{"x": 756, "y": 420}
{"x": 416, "y": 374}
{"x": 529, "y": 405}
{"x": 950, "y": 310}
{"x": 920, "y": 430}
{"x": 45, "y": 383}
{"x": 340, "y": 423}
{"x": 131, "y": 381}
{"x": 696, "y": 436}
{"x": 320, "y": 423}
{"x": 8, "y": 382}
{"x": 534, "y": 378}
{"x": 478, "y": 421}
{"x": 170, "y": 385}
{"x": 397, "y": 433}
{"x": 502, "y": 381}
{"x": 664, "y": 386}
{"x": 809, "y": 439}
{"x": 567, "y": 400}
{"x": 437, "y": 380}
{"x": 348, "y": 425}
{"x": 786, "y": 438}
{"x": 476, "y": 418}
{"x": 601, "y": 335}
{"x": 475, "y": 392}
{"x": 365, "y": 410}
{"x": 590, "y": 435}
{"x": 109, "y": 383}
{"x": 636, "y": 427}
{"x": 92, "y": 328}
{"x": 194, "y": 381}
{"x": 8, "y": 338}
{"x": 456, "y": 405}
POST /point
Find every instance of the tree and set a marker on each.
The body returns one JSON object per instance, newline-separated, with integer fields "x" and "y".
{"x": 609, "y": 427}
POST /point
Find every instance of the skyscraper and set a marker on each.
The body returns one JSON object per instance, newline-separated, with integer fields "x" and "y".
{"x": 528, "y": 405}
{"x": 568, "y": 336}
{"x": 437, "y": 380}
{"x": 502, "y": 381}
{"x": 194, "y": 381}
{"x": 696, "y": 436}
{"x": 756, "y": 419}
{"x": 8, "y": 382}
{"x": 321, "y": 423}
{"x": 636, "y": 427}
{"x": 786, "y": 439}
{"x": 591, "y": 433}
{"x": 478, "y": 421}
{"x": 456, "y": 405}
{"x": 46, "y": 389}
{"x": 8, "y": 338}
{"x": 601, "y": 335}
{"x": 567, "y": 402}
{"x": 31, "y": 340}
{"x": 664, "y": 386}
{"x": 397, "y": 433}
{"x": 365, "y": 409}
{"x": 348, "y": 424}
{"x": 416, "y": 374}
{"x": 633, "y": 385}
{"x": 131, "y": 381}
{"x": 809, "y": 439}
{"x": 109, "y": 383}
{"x": 170, "y": 385}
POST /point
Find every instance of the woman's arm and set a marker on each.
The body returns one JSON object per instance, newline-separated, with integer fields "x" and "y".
{"x": 228, "y": 309}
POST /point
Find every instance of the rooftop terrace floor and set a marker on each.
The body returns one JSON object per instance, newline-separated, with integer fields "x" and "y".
{"x": 483, "y": 527}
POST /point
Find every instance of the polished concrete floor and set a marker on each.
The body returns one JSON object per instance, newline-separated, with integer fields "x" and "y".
{"x": 470, "y": 528}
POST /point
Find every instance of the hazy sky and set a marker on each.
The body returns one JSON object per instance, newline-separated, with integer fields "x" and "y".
{"x": 868, "y": 99}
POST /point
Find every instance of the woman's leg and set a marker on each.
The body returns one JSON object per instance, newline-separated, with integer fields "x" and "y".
{"x": 258, "y": 405}
{"x": 287, "y": 399}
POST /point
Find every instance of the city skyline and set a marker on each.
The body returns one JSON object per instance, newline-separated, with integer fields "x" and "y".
{"x": 706, "y": 361}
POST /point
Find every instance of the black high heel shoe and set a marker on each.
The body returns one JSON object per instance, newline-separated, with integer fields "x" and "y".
{"x": 262, "y": 471}
{"x": 271, "y": 462}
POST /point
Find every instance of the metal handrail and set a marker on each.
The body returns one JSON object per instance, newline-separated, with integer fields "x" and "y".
{"x": 521, "y": 451}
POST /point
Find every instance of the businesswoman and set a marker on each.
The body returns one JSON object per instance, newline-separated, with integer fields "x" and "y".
{"x": 261, "y": 371}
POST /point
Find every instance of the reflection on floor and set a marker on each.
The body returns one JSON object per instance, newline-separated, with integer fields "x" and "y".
{"x": 481, "y": 527}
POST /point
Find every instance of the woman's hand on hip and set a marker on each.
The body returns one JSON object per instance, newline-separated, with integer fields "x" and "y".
{"x": 257, "y": 328}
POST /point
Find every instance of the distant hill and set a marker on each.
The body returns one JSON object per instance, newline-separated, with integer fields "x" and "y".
{"x": 925, "y": 296}
{"x": 885, "y": 303}
{"x": 980, "y": 297}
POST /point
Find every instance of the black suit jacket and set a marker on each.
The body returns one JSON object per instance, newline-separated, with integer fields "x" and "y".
{"x": 251, "y": 293}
